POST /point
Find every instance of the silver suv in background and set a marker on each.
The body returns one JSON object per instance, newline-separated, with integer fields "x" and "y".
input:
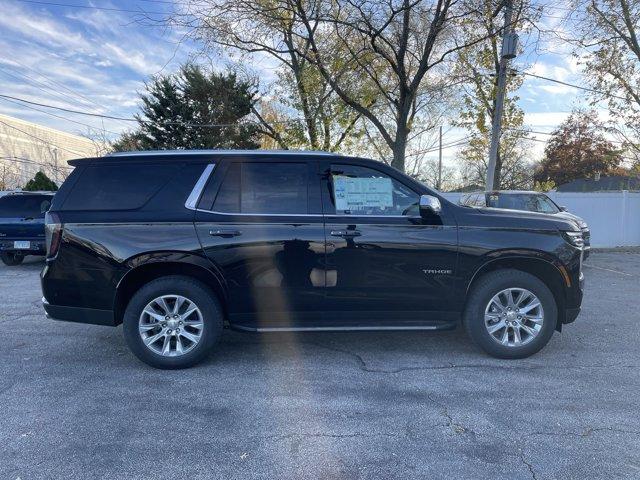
{"x": 527, "y": 201}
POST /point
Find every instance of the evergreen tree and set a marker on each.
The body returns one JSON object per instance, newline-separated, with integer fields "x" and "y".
{"x": 193, "y": 109}
{"x": 40, "y": 182}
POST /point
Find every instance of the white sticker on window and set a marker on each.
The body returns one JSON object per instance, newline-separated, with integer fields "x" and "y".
{"x": 362, "y": 193}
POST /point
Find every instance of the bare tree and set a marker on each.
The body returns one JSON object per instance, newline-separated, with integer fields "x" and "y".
{"x": 517, "y": 167}
{"x": 607, "y": 43}
{"x": 401, "y": 47}
{"x": 9, "y": 177}
{"x": 381, "y": 62}
{"x": 301, "y": 109}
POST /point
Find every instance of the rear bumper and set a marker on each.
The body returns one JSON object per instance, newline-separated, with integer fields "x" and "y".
{"x": 79, "y": 315}
{"x": 38, "y": 247}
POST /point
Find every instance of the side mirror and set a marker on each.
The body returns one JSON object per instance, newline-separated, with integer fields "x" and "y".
{"x": 430, "y": 205}
{"x": 563, "y": 209}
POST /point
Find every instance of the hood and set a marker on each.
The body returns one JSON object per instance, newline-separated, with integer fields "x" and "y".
{"x": 572, "y": 217}
{"x": 526, "y": 219}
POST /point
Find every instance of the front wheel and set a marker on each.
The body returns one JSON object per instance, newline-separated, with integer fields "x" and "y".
{"x": 172, "y": 322}
{"x": 11, "y": 259}
{"x": 510, "y": 314}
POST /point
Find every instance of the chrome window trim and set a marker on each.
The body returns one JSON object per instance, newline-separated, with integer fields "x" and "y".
{"x": 196, "y": 192}
{"x": 303, "y": 215}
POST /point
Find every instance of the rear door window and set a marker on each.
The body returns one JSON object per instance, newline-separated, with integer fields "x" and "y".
{"x": 264, "y": 188}
{"x": 118, "y": 186}
{"x": 24, "y": 206}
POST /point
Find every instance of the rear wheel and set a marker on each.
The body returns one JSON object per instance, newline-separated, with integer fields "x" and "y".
{"x": 510, "y": 314}
{"x": 11, "y": 258}
{"x": 172, "y": 322}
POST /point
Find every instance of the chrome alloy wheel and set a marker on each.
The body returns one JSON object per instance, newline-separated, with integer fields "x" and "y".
{"x": 171, "y": 325}
{"x": 514, "y": 317}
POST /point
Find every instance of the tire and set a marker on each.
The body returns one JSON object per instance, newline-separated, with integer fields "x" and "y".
{"x": 501, "y": 284}
{"x": 11, "y": 259}
{"x": 158, "y": 354}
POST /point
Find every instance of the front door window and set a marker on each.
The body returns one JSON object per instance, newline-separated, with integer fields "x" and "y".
{"x": 362, "y": 191}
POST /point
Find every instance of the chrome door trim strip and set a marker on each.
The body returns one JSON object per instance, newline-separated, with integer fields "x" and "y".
{"x": 194, "y": 196}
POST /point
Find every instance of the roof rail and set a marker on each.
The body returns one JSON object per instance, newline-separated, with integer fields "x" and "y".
{"x": 217, "y": 152}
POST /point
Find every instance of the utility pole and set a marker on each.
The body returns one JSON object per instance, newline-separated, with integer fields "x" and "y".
{"x": 440, "y": 162}
{"x": 509, "y": 47}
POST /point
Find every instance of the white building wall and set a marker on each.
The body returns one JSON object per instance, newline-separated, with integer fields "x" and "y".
{"x": 613, "y": 217}
{"x": 26, "y": 147}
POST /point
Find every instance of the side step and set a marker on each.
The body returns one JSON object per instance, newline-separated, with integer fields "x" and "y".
{"x": 346, "y": 328}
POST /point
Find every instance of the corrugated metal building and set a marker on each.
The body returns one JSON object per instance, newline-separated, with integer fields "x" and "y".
{"x": 27, "y": 147}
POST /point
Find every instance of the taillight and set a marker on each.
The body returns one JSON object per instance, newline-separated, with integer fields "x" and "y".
{"x": 53, "y": 231}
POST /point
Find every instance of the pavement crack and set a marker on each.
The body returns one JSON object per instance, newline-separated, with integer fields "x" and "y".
{"x": 451, "y": 423}
{"x": 10, "y": 317}
{"x": 529, "y": 466}
{"x": 585, "y": 432}
{"x": 362, "y": 364}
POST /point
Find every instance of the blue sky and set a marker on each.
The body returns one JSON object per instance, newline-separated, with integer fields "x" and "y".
{"x": 97, "y": 60}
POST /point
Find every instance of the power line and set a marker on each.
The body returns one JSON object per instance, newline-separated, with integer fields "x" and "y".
{"x": 40, "y": 139}
{"x": 69, "y": 110}
{"x": 125, "y": 119}
{"x": 537, "y": 132}
{"x": 91, "y": 7}
{"x": 61, "y": 117}
{"x": 456, "y": 143}
{"x": 554, "y": 80}
{"x": 33, "y": 162}
{"x": 80, "y": 96}
{"x": 64, "y": 97}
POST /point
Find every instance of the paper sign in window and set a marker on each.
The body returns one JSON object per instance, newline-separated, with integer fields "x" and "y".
{"x": 353, "y": 194}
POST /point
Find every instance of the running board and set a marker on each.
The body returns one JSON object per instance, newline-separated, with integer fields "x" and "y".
{"x": 371, "y": 328}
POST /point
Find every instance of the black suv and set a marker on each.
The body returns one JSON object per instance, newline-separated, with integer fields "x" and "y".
{"x": 22, "y": 225}
{"x": 177, "y": 245}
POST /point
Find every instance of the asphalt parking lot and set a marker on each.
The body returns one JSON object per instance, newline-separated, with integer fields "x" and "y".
{"x": 76, "y": 404}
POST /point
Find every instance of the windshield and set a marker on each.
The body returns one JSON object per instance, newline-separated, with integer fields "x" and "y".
{"x": 522, "y": 201}
{"x": 24, "y": 206}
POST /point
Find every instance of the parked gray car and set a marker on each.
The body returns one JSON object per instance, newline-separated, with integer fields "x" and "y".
{"x": 528, "y": 201}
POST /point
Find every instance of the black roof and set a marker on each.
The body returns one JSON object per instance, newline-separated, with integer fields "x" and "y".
{"x": 197, "y": 155}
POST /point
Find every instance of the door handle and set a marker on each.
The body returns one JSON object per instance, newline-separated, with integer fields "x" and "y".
{"x": 345, "y": 233}
{"x": 225, "y": 233}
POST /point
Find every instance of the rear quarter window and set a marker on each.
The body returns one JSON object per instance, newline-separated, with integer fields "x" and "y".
{"x": 118, "y": 186}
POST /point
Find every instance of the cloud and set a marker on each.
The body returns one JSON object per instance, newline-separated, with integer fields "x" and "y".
{"x": 545, "y": 119}
{"x": 91, "y": 61}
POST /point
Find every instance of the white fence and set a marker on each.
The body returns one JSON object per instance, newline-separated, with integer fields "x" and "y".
{"x": 613, "y": 217}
